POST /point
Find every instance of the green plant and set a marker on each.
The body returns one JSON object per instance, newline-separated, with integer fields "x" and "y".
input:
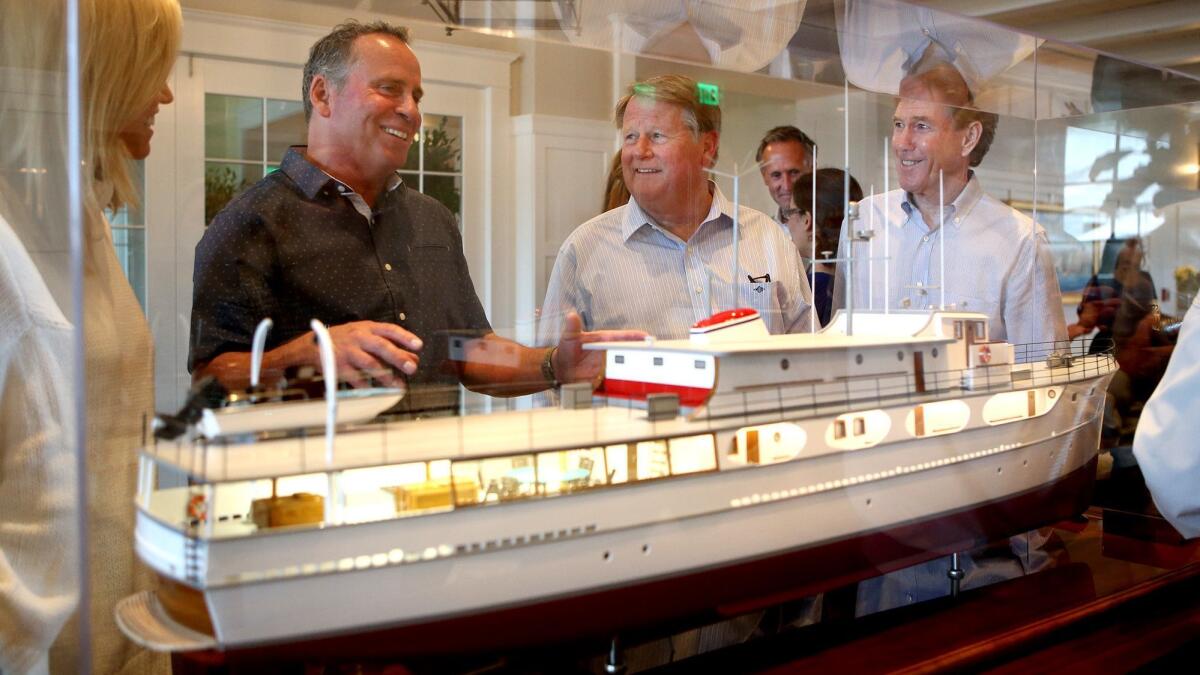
{"x": 221, "y": 184}
{"x": 442, "y": 153}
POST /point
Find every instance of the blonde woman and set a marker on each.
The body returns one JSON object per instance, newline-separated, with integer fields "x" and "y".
{"x": 128, "y": 48}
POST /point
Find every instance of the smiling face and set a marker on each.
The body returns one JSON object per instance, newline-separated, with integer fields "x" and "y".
{"x": 926, "y": 141}
{"x": 368, "y": 124}
{"x": 662, "y": 161}
{"x": 783, "y": 163}
{"x": 137, "y": 132}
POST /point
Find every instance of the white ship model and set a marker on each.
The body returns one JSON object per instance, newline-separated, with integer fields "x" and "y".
{"x": 727, "y": 471}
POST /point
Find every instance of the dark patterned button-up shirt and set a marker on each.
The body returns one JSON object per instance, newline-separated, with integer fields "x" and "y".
{"x": 295, "y": 247}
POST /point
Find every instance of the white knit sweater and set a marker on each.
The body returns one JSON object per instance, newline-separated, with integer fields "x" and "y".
{"x": 38, "y": 544}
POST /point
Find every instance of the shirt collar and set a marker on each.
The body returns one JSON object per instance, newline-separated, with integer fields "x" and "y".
{"x": 956, "y": 211}
{"x": 635, "y": 218}
{"x": 312, "y": 179}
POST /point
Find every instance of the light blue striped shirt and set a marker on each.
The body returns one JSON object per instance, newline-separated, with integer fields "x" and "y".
{"x": 997, "y": 261}
{"x": 622, "y": 270}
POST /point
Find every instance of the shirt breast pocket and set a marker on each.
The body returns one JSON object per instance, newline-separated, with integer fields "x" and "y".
{"x": 760, "y": 296}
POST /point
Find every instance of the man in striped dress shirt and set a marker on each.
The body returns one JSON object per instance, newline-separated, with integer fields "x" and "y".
{"x": 664, "y": 260}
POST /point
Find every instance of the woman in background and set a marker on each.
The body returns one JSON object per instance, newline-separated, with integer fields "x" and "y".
{"x": 615, "y": 192}
{"x": 830, "y": 214}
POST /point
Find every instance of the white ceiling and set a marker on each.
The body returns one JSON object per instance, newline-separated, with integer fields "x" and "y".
{"x": 1159, "y": 32}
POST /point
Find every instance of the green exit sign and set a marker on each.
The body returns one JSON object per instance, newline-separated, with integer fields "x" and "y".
{"x": 710, "y": 94}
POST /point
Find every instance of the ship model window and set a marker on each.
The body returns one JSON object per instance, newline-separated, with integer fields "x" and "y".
{"x": 700, "y": 365}
{"x": 860, "y": 426}
{"x": 980, "y": 330}
{"x": 899, "y": 356}
{"x": 784, "y": 365}
{"x": 619, "y": 358}
{"x": 839, "y": 429}
{"x": 958, "y": 330}
{"x": 858, "y": 359}
{"x": 693, "y": 454}
{"x": 658, "y": 360}
{"x": 934, "y": 352}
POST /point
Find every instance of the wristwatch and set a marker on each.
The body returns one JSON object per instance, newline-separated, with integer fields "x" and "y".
{"x": 548, "y": 368}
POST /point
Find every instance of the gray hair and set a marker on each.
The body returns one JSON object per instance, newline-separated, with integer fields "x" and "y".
{"x": 332, "y": 55}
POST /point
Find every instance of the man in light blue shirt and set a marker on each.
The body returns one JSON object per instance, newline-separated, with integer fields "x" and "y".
{"x": 997, "y": 260}
{"x": 664, "y": 260}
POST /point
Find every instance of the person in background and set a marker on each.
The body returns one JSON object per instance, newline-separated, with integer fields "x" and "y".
{"x": 783, "y": 154}
{"x": 664, "y": 260}
{"x": 829, "y": 209}
{"x": 615, "y": 192}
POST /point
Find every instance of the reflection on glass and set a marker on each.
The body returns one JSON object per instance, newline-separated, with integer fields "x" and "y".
{"x": 223, "y": 181}
{"x": 285, "y": 127}
{"x": 233, "y": 127}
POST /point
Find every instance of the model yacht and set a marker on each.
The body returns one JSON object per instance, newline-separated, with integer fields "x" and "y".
{"x": 712, "y": 474}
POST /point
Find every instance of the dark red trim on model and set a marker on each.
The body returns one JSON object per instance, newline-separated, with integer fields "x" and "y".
{"x": 638, "y": 391}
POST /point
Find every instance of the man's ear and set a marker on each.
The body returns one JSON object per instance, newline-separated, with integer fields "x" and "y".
{"x": 710, "y": 141}
{"x": 971, "y": 138}
{"x": 319, "y": 94}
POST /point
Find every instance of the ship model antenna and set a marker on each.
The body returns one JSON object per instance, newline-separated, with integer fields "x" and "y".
{"x": 941, "y": 241}
{"x": 871, "y": 254}
{"x": 812, "y": 263}
{"x": 846, "y": 204}
{"x": 736, "y": 178}
{"x": 887, "y": 230}
{"x": 256, "y": 351}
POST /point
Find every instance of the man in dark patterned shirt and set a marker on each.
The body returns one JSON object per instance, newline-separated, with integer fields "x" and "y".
{"x": 336, "y": 235}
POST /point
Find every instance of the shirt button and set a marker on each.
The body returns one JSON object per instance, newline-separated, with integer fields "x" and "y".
{"x": 909, "y": 596}
{"x": 925, "y": 238}
{"x": 402, "y": 316}
{"x": 387, "y": 266}
{"x": 957, "y": 220}
{"x": 698, "y": 290}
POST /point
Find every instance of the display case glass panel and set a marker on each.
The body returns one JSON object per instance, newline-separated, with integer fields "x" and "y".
{"x": 889, "y": 284}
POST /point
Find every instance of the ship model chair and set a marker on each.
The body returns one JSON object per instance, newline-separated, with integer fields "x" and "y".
{"x": 581, "y": 477}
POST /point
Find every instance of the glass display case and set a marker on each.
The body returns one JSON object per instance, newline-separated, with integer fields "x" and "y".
{"x": 645, "y": 316}
{"x": 43, "y": 521}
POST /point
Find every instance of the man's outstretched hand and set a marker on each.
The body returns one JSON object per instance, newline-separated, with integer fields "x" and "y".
{"x": 573, "y": 363}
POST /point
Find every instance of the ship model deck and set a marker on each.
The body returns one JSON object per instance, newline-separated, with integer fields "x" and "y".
{"x": 706, "y": 476}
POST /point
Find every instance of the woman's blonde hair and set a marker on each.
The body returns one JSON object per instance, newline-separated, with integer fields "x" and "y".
{"x": 128, "y": 49}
